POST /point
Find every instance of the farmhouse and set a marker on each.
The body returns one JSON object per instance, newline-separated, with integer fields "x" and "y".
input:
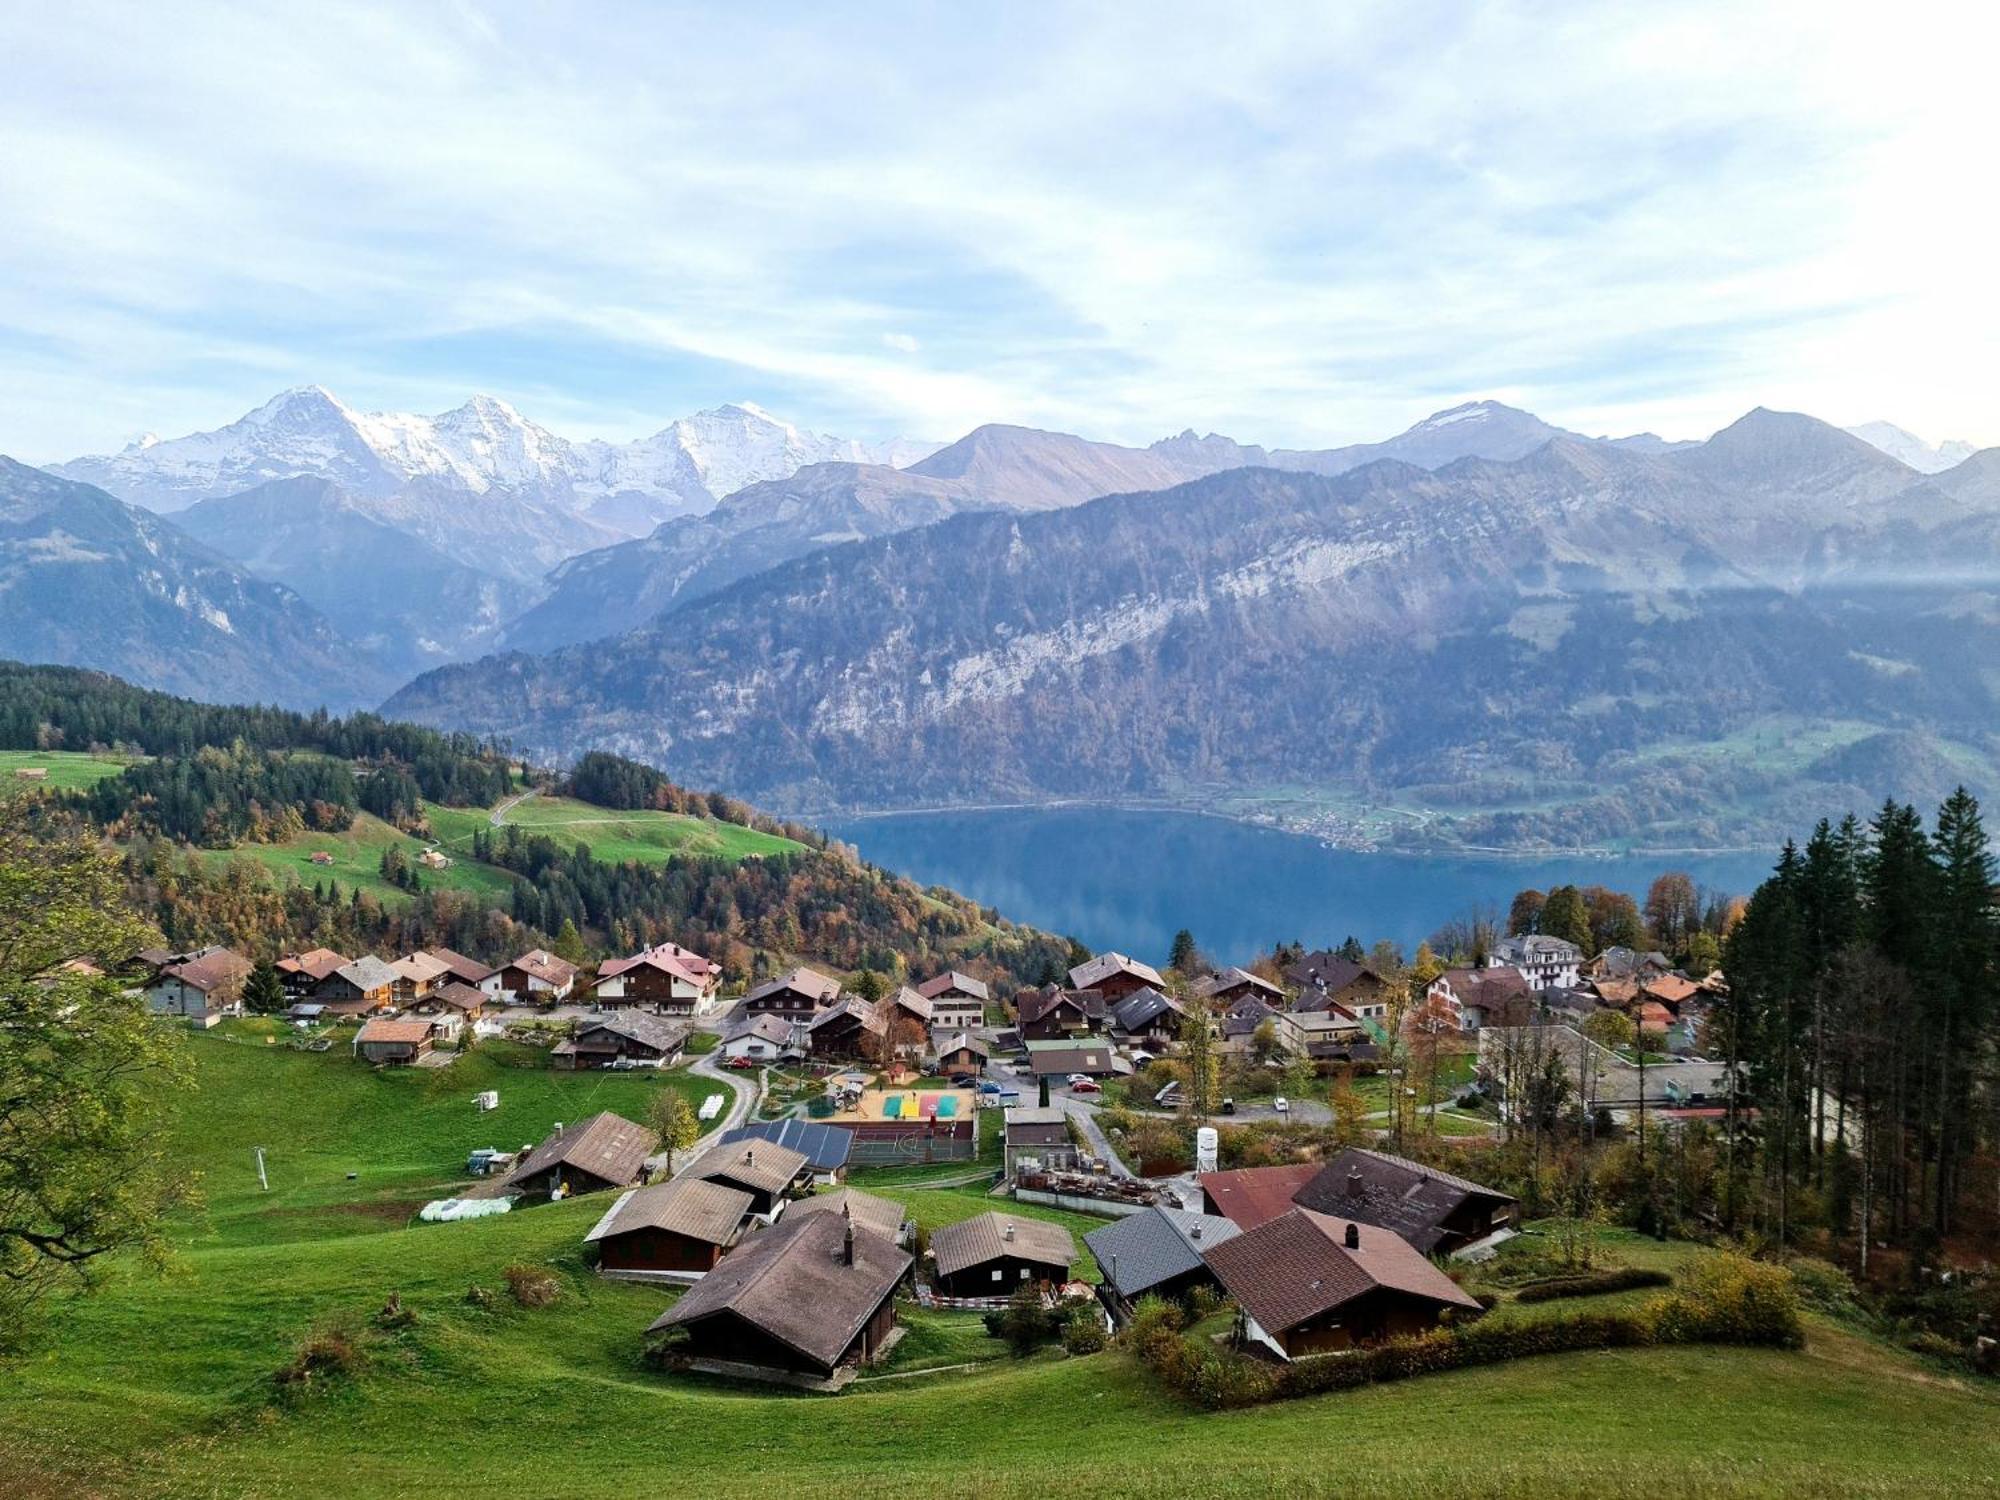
{"x": 762, "y": 1038}
{"x": 1114, "y": 976}
{"x": 1156, "y": 1253}
{"x": 850, "y": 1028}
{"x": 417, "y": 975}
{"x": 1056, "y": 1013}
{"x": 825, "y": 1147}
{"x": 1309, "y": 1283}
{"x": 203, "y": 986}
{"x": 453, "y": 1005}
{"x": 394, "y": 1043}
{"x": 805, "y": 1303}
{"x": 635, "y": 1040}
{"x": 957, "y": 1000}
{"x": 301, "y": 973}
{"x": 992, "y": 1255}
{"x": 800, "y": 993}
{"x": 768, "y": 1172}
{"x": 1234, "y": 985}
{"x": 539, "y": 975}
{"x": 1060, "y": 1059}
{"x": 1148, "y": 1018}
{"x": 1329, "y": 978}
{"x": 604, "y": 1151}
{"x": 883, "y": 1216}
{"x": 1436, "y": 1212}
{"x": 1039, "y": 1135}
{"x": 678, "y": 1228}
{"x": 1239, "y": 1023}
{"x": 357, "y": 988}
{"x": 1249, "y": 1196}
{"x": 674, "y": 980}
{"x": 959, "y": 1052}
{"x": 1483, "y": 997}
{"x": 468, "y": 970}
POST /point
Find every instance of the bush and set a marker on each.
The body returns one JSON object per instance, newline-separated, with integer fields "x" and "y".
{"x": 1083, "y": 1331}
{"x": 532, "y": 1286}
{"x": 395, "y": 1314}
{"x": 481, "y": 1297}
{"x": 1822, "y": 1285}
{"x": 1596, "y": 1284}
{"x": 1025, "y": 1323}
{"x": 1934, "y": 1346}
{"x": 1730, "y": 1299}
{"x": 327, "y": 1353}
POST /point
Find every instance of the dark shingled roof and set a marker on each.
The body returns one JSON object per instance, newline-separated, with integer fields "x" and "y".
{"x": 656, "y": 1032}
{"x": 605, "y": 1145}
{"x": 1412, "y": 1199}
{"x": 1296, "y": 1267}
{"x": 706, "y": 1211}
{"x": 984, "y": 1237}
{"x": 1141, "y": 1007}
{"x": 793, "y": 1283}
{"x": 755, "y": 1163}
{"x": 1155, "y": 1245}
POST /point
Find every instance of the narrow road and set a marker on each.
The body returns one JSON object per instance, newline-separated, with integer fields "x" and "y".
{"x": 743, "y": 1092}
{"x": 499, "y": 814}
{"x": 1084, "y": 1117}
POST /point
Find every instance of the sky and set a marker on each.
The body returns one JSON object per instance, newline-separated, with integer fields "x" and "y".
{"x": 1299, "y": 225}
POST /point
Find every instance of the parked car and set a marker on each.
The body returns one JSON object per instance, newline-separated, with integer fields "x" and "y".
{"x": 741, "y": 1062}
{"x": 1076, "y": 1078}
{"x": 964, "y": 1080}
{"x": 1088, "y": 1086}
{"x": 1228, "y": 1106}
{"x": 990, "y": 1087}
{"x": 1282, "y": 1105}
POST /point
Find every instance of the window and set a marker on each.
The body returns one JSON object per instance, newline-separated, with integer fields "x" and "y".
{"x": 996, "y": 1275}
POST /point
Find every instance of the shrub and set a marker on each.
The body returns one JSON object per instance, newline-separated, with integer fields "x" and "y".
{"x": 532, "y": 1286}
{"x": 1730, "y": 1299}
{"x": 1154, "y": 1322}
{"x": 1934, "y": 1346}
{"x": 1024, "y": 1322}
{"x": 1822, "y": 1285}
{"x": 1596, "y": 1284}
{"x": 327, "y": 1353}
{"x": 481, "y": 1297}
{"x": 1083, "y": 1331}
{"x": 395, "y": 1314}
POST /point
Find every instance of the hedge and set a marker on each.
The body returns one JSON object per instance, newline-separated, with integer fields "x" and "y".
{"x": 1595, "y": 1284}
{"x": 1729, "y": 1300}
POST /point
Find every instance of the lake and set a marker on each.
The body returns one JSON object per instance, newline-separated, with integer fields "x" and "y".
{"x": 1127, "y": 879}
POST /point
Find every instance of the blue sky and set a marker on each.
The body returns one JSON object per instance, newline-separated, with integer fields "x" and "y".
{"x": 1299, "y": 225}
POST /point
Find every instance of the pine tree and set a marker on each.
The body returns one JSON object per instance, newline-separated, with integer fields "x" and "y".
{"x": 264, "y": 991}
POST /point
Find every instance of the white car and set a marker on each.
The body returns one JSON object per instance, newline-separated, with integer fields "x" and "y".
{"x": 1076, "y": 1078}
{"x": 1282, "y": 1105}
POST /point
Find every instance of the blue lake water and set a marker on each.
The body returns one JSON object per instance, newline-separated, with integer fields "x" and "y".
{"x": 1127, "y": 879}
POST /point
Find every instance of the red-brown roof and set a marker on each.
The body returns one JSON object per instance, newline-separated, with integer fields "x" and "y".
{"x": 1250, "y": 1196}
{"x": 408, "y": 1032}
{"x": 1298, "y": 1266}
{"x": 669, "y": 958}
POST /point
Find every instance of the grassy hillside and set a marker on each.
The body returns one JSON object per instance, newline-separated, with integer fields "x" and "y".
{"x": 161, "y": 1385}
{"x": 612, "y": 834}
{"x": 69, "y": 770}
{"x": 357, "y": 861}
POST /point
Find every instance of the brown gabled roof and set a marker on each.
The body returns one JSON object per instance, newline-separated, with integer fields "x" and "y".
{"x": 763, "y": 1165}
{"x": 420, "y": 968}
{"x": 1093, "y": 972}
{"x": 458, "y": 996}
{"x": 315, "y": 962}
{"x": 882, "y": 1215}
{"x": 408, "y": 1032}
{"x": 1250, "y": 1196}
{"x": 711, "y": 1212}
{"x": 1297, "y": 1266}
{"x": 907, "y": 999}
{"x": 1038, "y": 1003}
{"x": 668, "y": 958}
{"x": 871, "y": 1015}
{"x": 211, "y": 968}
{"x": 466, "y": 970}
{"x": 1230, "y": 979}
{"x": 1671, "y": 989}
{"x": 808, "y": 982}
{"x": 795, "y": 1284}
{"x": 989, "y": 1236}
{"x": 539, "y": 963}
{"x": 605, "y": 1145}
{"x": 930, "y": 989}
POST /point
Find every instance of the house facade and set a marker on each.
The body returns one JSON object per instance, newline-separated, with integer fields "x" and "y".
{"x": 673, "y": 980}
{"x": 799, "y": 994}
{"x": 995, "y": 1254}
{"x": 958, "y": 1001}
{"x": 202, "y": 987}
{"x": 1545, "y": 962}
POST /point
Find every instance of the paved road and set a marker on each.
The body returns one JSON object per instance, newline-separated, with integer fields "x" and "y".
{"x": 743, "y": 1091}
{"x": 499, "y": 815}
{"x": 1084, "y": 1117}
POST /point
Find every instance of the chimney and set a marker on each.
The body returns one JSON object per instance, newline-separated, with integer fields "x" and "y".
{"x": 847, "y": 1234}
{"x": 1354, "y": 1182}
{"x": 1353, "y": 1235}
{"x": 749, "y": 1156}
{"x": 1008, "y": 1232}
{"x": 1195, "y": 1232}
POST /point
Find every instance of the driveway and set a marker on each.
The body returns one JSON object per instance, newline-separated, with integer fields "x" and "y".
{"x": 743, "y": 1092}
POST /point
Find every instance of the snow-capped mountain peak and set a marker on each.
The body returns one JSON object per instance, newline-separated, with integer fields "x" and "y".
{"x": 1905, "y": 446}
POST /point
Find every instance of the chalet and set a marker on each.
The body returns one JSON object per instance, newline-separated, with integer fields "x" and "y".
{"x": 765, "y": 1038}
{"x": 1156, "y": 1253}
{"x": 1542, "y": 960}
{"x": 825, "y": 1147}
{"x": 1234, "y": 985}
{"x": 768, "y": 1172}
{"x": 434, "y": 859}
{"x": 800, "y": 993}
{"x": 417, "y": 975}
{"x": 1148, "y": 1018}
{"x": 1238, "y": 1024}
{"x": 959, "y": 1052}
{"x": 604, "y": 1151}
{"x": 468, "y": 970}
{"x": 203, "y": 986}
{"x": 1309, "y": 1283}
{"x": 850, "y": 1028}
{"x": 1671, "y": 990}
{"x": 673, "y": 980}
{"x": 805, "y": 1303}
{"x": 957, "y": 1000}
{"x": 1041, "y": 1135}
{"x": 1060, "y": 1059}
{"x": 1249, "y": 1196}
{"x": 635, "y": 1040}
{"x": 301, "y": 973}
{"x": 883, "y": 1216}
{"x": 394, "y": 1043}
{"x": 1627, "y": 963}
{"x": 540, "y": 976}
{"x": 1054, "y": 1013}
{"x": 1313, "y": 1033}
{"x": 993, "y": 1255}
{"x": 1484, "y": 997}
{"x": 672, "y": 1230}
{"x": 1325, "y": 978}
{"x": 1434, "y": 1211}
{"x": 357, "y": 988}
{"x": 452, "y": 1006}
{"x": 1114, "y": 976}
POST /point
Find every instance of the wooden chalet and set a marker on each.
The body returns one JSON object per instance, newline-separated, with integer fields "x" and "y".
{"x": 679, "y": 1228}
{"x": 636, "y": 1039}
{"x": 768, "y": 1172}
{"x": 301, "y": 973}
{"x": 995, "y": 1254}
{"x": 673, "y": 980}
{"x": 799, "y": 994}
{"x": 400, "y": 1042}
{"x": 957, "y": 1000}
{"x": 604, "y": 1151}
{"x": 357, "y": 988}
{"x": 1114, "y": 976}
{"x": 540, "y": 976}
{"x": 1156, "y": 1252}
{"x": 1436, "y": 1212}
{"x": 1055, "y": 1013}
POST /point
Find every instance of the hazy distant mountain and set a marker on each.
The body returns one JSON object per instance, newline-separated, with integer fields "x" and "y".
{"x": 1477, "y": 429}
{"x": 1899, "y": 443}
{"x": 1496, "y": 641}
{"x": 86, "y": 580}
{"x": 410, "y": 604}
{"x": 483, "y": 447}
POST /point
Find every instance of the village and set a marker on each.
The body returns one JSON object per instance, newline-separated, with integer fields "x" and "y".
{"x": 1051, "y": 1100}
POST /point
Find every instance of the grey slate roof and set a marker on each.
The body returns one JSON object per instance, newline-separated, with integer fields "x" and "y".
{"x": 1143, "y": 1007}
{"x": 368, "y": 973}
{"x": 1401, "y": 1195}
{"x": 1155, "y": 1246}
{"x": 752, "y": 1162}
{"x": 605, "y": 1145}
{"x": 657, "y": 1032}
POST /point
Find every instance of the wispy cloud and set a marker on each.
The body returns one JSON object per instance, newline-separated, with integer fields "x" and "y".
{"x": 1300, "y": 225}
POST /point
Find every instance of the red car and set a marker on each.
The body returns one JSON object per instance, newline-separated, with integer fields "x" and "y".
{"x": 1086, "y": 1086}
{"x": 741, "y": 1062}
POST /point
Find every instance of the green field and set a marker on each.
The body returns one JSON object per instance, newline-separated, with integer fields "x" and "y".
{"x": 357, "y": 862}
{"x": 69, "y": 770}
{"x": 160, "y": 1385}
{"x": 612, "y": 835}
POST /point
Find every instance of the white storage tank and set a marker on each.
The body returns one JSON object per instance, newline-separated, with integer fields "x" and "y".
{"x": 1207, "y": 1143}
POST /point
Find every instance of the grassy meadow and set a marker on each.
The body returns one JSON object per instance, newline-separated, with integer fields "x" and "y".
{"x": 356, "y": 856}
{"x": 69, "y": 770}
{"x": 161, "y": 1384}
{"x": 613, "y": 835}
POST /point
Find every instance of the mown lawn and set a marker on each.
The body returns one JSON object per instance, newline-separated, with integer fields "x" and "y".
{"x": 69, "y": 770}
{"x": 613, "y": 835}
{"x": 161, "y": 1385}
